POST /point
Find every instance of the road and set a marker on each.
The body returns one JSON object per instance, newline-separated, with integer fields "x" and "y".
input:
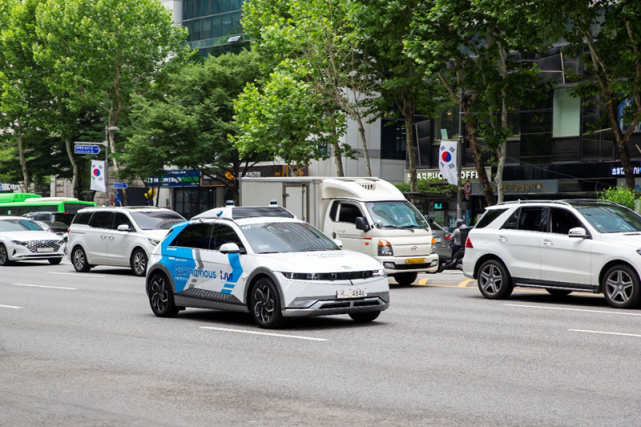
{"x": 85, "y": 350}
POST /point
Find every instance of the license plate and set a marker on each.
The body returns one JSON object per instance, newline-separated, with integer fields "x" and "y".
{"x": 415, "y": 261}
{"x": 351, "y": 293}
{"x": 437, "y": 239}
{"x": 45, "y": 250}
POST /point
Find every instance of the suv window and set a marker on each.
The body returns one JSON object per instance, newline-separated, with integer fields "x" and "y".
{"x": 120, "y": 219}
{"x": 224, "y": 234}
{"x": 194, "y": 236}
{"x": 531, "y": 219}
{"x": 102, "y": 220}
{"x": 512, "y": 222}
{"x": 156, "y": 220}
{"x": 82, "y": 218}
{"x": 489, "y": 216}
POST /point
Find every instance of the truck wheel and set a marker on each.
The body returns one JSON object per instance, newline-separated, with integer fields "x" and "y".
{"x": 364, "y": 317}
{"x": 405, "y": 279}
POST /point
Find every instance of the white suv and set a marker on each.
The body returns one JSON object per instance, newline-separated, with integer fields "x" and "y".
{"x": 561, "y": 246}
{"x": 118, "y": 236}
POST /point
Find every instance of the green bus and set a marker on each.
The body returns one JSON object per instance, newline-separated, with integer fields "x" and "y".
{"x": 18, "y": 204}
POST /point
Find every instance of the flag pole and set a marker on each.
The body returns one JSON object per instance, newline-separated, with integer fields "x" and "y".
{"x": 458, "y": 156}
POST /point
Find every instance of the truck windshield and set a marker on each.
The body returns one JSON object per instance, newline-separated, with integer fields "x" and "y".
{"x": 277, "y": 237}
{"x": 395, "y": 215}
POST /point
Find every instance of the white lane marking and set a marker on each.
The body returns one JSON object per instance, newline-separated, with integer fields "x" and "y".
{"x": 78, "y": 274}
{"x": 575, "y": 309}
{"x": 264, "y": 333}
{"x": 9, "y": 306}
{"x": 43, "y": 286}
{"x": 605, "y": 333}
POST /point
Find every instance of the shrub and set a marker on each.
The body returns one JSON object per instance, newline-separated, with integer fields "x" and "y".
{"x": 621, "y": 195}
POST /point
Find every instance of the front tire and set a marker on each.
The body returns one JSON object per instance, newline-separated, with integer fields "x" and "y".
{"x": 620, "y": 286}
{"x": 55, "y": 261}
{"x": 494, "y": 280}
{"x": 4, "y": 256}
{"x": 558, "y": 292}
{"x": 161, "y": 296}
{"x": 79, "y": 260}
{"x": 139, "y": 262}
{"x": 364, "y": 317}
{"x": 405, "y": 279}
{"x": 265, "y": 305}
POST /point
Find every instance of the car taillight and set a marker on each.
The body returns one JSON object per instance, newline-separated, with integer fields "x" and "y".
{"x": 468, "y": 243}
{"x": 68, "y": 230}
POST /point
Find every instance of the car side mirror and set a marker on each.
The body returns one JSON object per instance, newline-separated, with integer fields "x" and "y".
{"x": 124, "y": 227}
{"x": 339, "y": 243}
{"x": 229, "y": 248}
{"x": 361, "y": 224}
{"x": 578, "y": 232}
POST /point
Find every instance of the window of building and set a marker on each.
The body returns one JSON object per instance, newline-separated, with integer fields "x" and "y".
{"x": 567, "y": 114}
{"x": 192, "y": 201}
{"x": 393, "y": 139}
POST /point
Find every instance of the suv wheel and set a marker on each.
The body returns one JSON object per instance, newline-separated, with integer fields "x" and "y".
{"x": 161, "y": 296}
{"x": 139, "y": 262}
{"x": 79, "y": 260}
{"x": 265, "y": 305}
{"x": 621, "y": 287}
{"x": 494, "y": 280}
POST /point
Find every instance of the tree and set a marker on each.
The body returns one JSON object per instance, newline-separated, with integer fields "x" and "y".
{"x": 606, "y": 36}
{"x": 102, "y": 52}
{"x": 186, "y": 119}
{"x": 316, "y": 35}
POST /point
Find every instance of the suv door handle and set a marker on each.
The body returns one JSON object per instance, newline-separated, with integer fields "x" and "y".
{"x": 111, "y": 237}
{"x": 503, "y": 238}
{"x": 102, "y": 236}
{"x": 548, "y": 242}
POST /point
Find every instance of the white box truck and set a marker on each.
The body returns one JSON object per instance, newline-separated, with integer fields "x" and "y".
{"x": 367, "y": 215}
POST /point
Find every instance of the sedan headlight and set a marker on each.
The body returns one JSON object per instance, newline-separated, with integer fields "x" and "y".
{"x": 19, "y": 242}
{"x": 385, "y": 248}
{"x": 154, "y": 242}
{"x": 351, "y": 275}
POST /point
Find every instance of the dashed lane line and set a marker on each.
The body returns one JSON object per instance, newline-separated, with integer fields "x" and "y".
{"x": 605, "y": 333}
{"x": 464, "y": 283}
{"x": 244, "y": 331}
{"x": 619, "y": 313}
{"x": 43, "y": 286}
{"x": 9, "y": 306}
{"x": 77, "y": 274}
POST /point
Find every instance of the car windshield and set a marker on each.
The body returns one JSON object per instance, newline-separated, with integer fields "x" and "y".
{"x": 19, "y": 225}
{"x": 610, "y": 219}
{"x": 156, "y": 220}
{"x": 395, "y": 215}
{"x": 277, "y": 237}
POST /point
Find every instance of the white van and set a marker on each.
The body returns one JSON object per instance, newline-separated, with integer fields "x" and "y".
{"x": 368, "y": 215}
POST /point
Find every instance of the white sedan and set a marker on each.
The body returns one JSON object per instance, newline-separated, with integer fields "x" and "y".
{"x": 21, "y": 239}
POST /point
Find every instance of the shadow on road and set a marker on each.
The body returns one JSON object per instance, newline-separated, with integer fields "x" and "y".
{"x": 522, "y": 295}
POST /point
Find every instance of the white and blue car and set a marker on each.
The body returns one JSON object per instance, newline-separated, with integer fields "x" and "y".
{"x": 264, "y": 261}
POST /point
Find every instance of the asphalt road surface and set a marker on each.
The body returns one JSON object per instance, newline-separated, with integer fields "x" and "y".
{"x": 86, "y": 350}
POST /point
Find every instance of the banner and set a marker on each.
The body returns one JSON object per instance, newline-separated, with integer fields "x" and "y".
{"x": 98, "y": 175}
{"x": 447, "y": 161}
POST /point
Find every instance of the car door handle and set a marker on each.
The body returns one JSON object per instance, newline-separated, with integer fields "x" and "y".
{"x": 503, "y": 238}
{"x": 548, "y": 242}
{"x": 103, "y": 236}
{"x": 111, "y": 237}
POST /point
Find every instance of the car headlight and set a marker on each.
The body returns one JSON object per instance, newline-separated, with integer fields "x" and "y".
{"x": 378, "y": 273}
{"x": 351, "y": 275}
{"x": 154, "y": 242}
{"x": 19, "y": 242}
{"x": 385, "y": 248}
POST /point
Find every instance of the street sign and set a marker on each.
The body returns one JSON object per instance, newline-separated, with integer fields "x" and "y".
{"x": 120, "y": 185}
{"x": 118, "y": 200}
{"x": 467, "y": 187}
{"x": 86, "y": 149}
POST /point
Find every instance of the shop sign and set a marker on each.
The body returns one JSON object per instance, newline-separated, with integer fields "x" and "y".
{"x": 177, "y": 178}
{"x": 467, "y": 173}
{"x": 543, "y": 186}
{"x": 620, "y": 172}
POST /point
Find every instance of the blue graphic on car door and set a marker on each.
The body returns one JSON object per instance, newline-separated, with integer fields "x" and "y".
{"x": 236, "y": 271}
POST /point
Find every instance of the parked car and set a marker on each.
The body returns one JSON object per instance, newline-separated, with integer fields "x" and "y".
{"x": 59, "y": 228}
{"x": 442, "y": 242}
{"x": 560, "y": 246}
{"x": 23, "y": 240}
{"x": 118, "y": 236}
{"x": 51, "y": 216}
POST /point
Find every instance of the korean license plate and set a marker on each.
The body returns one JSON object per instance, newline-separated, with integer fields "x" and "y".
{"x": 415, "y": 261}
{"x": 437, "y": 239}
{"x": 351, "y": 293}
{"x": 45, "y": 249}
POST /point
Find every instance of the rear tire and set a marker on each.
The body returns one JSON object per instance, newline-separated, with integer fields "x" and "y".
{"x": 4, "y": 256}
{"x": 558, "y": 292}
{"x": 365, "y": 317}
{"x": 138, "y": 262}
{"x": 405, "y": 279}
{"x": 161, "y": 296}
{"x": 265, "y": 305}
{"x": 620, "y": 287}
{"x": 494, "y": 280}
{"x": 55, "y": 261}
{"x": 79, "y": 260}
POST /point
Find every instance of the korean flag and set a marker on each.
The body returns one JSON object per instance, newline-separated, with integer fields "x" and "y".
{"x": 98, "y": 176}
{"x": 447, "y": 161}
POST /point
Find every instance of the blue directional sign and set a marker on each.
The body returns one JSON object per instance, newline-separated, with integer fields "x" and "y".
{"x": 86, "y": 149}
{"x": 120, "y": 185}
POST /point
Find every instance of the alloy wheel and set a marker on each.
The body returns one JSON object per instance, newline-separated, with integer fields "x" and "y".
{"x": 264, "y": 303}
{"x": 140, "y": 263}
{"x": 78, "y": 259}
{"x": 491, "y": 279}
{"x": 619, "y": 286}
{"x": 159, "y": 294}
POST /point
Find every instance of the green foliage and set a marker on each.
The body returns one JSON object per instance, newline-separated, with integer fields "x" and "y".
{"x": 430, "y": 186}
{"x": 621, "y": 195}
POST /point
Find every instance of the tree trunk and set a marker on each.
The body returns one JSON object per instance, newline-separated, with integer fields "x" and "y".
{"x": 361, "y": 131}
{"x": 411, "y": 155}
{"x": 501, "y": 150}
{"x": 74, "y": 167}
{"x": 338, "y": 158}
{"x": 23, "y": 163}
{"x": 476, "y": 155}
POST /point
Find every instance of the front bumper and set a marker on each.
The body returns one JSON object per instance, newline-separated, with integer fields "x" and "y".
{"x": 378, "y": 301}
{"x": 50, "y": 255}
{"x": 395, "y": 265}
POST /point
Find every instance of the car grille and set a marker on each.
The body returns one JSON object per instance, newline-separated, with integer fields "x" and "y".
{"x": 33, "y": 245}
